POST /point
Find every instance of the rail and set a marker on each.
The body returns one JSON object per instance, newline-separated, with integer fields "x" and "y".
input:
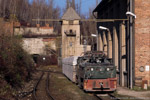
{"x": 47, "y": 87}
{"x": 35, "y": 88}
{"x": 107, "y": 96}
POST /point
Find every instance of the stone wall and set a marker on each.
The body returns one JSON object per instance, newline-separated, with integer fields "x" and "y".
{"x": 42, "y": 44}
{"x": 39, "y": 45}
{"x": 34, "y": 45}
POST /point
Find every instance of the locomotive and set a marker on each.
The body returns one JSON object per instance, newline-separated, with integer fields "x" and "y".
{"x": 95, "y": 72}
{"x": 92, "y": 71}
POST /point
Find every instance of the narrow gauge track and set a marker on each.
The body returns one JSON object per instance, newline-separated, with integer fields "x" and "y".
{"x": 50, "y": 71}
{"x": 106, "y": 97}
{"x": 47, "y": 89}
{"x": 41, "y": 89}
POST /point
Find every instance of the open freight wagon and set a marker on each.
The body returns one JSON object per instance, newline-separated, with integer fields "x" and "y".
{"x": 69, "y": 67}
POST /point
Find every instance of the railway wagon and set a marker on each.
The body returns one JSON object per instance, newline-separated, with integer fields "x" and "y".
{"x": 69, "y": 67}
{"x": 92, "y": 71}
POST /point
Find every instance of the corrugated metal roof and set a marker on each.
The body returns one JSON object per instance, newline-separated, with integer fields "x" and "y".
{"x": 71, "y": 14}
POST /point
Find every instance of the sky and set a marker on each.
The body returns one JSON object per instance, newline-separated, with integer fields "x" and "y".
{"x": 86, "y": 4}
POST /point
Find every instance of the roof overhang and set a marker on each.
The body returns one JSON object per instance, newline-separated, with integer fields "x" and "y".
{"x": 101, "y": 5}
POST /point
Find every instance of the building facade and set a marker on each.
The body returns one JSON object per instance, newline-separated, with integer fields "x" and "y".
{"x": 71, "y": 36}
{"x": 127, "y": 40}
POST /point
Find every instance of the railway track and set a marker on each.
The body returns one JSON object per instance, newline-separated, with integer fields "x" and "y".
{"x": 41, "y": 89}
{"x": 58, "y": 72}
{"x": 47, "y": 89}
{"x": 108, "y": 96}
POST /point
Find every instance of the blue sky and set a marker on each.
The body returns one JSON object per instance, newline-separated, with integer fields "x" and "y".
{"x": 86, "y": 4}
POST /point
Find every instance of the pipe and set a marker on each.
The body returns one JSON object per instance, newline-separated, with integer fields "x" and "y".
{"x": 120, "y": 54}
{"x": 131, "y": 45}
{"x": 133, "y": 42}
{"x": 108, "y": 46}
{"x": 97, "y": 39}
{"x": 128, "y": 46}
{"x": 113, "y": 45}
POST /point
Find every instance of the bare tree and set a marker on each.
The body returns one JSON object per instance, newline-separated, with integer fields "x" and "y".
{"x": 88, "y": 28}
{"x": 80, "y": 7}
{"x": 73, "y": 4}
{"x": 4, "y": 2}
{"x": 67, "y": 4}
{"x": 25, "y": 11}
{"x": 0, "y": 7}
{"x": 96, "y": 2}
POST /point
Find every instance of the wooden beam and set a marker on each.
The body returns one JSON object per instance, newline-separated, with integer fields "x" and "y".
{"x": 83, "y": 20}
{"x": 47, "y": 20}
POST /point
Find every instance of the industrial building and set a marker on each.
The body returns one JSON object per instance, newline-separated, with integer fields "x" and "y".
{"x": 71, "y": 36}
{"x": 126, "y": 39}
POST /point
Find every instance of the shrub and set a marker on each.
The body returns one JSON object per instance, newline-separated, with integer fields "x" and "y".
{"x": 15, "y": 63}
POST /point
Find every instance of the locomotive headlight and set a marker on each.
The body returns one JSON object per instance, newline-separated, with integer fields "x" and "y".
{"x": 92, "y": 69}
{"x": 108, "y": 69}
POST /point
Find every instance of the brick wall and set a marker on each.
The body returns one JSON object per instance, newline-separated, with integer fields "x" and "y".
{"x": 142, "y": 38}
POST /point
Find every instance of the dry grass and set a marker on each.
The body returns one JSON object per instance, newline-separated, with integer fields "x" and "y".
{"x": 63, "y": 89}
